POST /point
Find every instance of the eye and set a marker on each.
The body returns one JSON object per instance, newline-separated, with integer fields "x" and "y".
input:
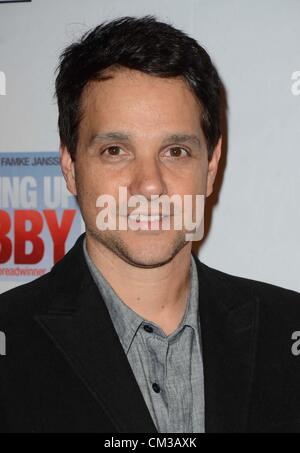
{"x": 112, "y": 151}
{"x": 177, "y": 152}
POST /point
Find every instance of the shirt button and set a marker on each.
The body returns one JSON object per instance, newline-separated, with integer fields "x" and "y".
{"x": 156, "y": 388}
{"x": 148, "y": 329}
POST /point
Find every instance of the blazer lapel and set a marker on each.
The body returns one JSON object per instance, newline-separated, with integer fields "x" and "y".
{"x": 81, "y": 328}
{"x": 229, "y": 326}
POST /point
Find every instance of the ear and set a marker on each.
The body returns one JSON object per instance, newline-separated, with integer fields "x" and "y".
{"x": 68, "y": 169}
{"x": 213, "y": 168}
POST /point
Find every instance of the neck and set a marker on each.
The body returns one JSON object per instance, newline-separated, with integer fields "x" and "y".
{"x": 158, "y": 295}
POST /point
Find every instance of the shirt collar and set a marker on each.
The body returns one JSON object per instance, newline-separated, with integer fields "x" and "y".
{"x": 126, "y": 321}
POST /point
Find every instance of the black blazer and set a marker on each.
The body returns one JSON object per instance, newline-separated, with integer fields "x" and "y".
{"x": 65, "y": 369}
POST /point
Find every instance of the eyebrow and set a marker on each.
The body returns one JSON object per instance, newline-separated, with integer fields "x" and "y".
{"x": 122, "y": 136}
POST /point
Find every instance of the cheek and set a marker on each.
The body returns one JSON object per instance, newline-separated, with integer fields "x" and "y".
{"x": 200, "y": 178}
{"x": 194, "y": 182}
{"x": 88, "y": 178}
{"x": 93, "y": 184}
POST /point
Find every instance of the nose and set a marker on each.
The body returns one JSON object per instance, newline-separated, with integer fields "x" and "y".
{"x": 147, "y": 179}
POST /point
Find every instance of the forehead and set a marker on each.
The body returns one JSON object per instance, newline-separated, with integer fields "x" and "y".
{"x": 135, "y": 98}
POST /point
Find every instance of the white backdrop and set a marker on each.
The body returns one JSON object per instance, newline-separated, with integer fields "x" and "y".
{"x": 255, "y": 224}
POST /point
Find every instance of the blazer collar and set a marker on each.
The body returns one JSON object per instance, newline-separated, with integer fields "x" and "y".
{"x": 79, "y": 324}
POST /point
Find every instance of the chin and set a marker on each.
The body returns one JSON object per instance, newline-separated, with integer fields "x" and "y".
{"x": 147, "y": 259}
{"x": 150, "y": 253}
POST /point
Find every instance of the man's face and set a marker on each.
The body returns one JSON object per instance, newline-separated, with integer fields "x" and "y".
{"x": 141, "y": 113}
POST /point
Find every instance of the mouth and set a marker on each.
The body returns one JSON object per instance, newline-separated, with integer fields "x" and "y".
{"x": 148, "y": 221}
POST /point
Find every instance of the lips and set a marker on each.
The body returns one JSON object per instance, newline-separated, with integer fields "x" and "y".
{"x": 146, "y": 217}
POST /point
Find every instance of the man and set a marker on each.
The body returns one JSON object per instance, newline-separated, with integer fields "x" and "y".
{"x": 130, "y": 332}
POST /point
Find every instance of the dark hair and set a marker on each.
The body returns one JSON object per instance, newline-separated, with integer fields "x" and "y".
{"x": 143, "y": 44}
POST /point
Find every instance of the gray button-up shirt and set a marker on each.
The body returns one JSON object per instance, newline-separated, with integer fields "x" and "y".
{"x": 168, "y": 369}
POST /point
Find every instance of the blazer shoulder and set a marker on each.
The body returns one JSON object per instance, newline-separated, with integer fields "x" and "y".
{"x": 266, "y": 293}
{"x": 24, "y": 300}
{"x": 36, "y": 297}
